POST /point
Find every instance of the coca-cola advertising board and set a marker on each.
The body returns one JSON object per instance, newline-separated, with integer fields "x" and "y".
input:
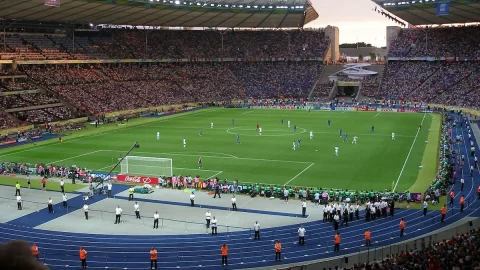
{"x": 366, "y": 109}
{"x": 407, "y": 110}
{"x": 141, "y": 180}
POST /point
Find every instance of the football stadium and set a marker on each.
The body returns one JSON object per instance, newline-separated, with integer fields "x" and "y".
{"x": 148, "y": 134}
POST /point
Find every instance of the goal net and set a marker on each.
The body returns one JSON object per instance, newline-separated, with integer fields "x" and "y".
{"x": 148, "y": 166}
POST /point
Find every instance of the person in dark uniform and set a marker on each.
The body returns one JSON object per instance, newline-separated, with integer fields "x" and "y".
{"x": 392, "y": 207}
{"x": 217, "y": 191}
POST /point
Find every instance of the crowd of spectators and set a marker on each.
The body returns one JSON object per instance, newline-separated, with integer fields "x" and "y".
{"x": 440, "y": 82}
{"x": 8, "y": 121}
{"x": 458, "y": 252}
{"x": 274, "y": 80}
{"x": 322, "y": 90}
{"x": 460, "y": 41}
{"x": 401, "y": 78}
{"x": 162, "y": 44}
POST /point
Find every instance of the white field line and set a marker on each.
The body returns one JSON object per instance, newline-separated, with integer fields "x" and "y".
{"x": 248, "y": 112}
{"x": 189, "y": 169}
{"x": 191, "y": 155}
{"x": 86, "y": 154}
{"x": 219, "y": 172}
{"x": 344, "y": 111}
{"x": 299, "y": 174}
{"x": 217, "y": 153}
{"x": 103, "y": 133}
{"x": 408, "y": 155}
{"x": 376, "y": 115}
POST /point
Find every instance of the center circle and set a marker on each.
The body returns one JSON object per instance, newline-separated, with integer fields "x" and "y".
{"x": 266, "y": 131}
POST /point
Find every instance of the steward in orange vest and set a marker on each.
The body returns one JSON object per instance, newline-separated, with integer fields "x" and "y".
{"x": 402, "y": 227}
{"x": 278, "y": 251}
{"x": 443, "y": 211}
{"x": 367, "y": 238}
{"x": 224, "y": 250}
{"x": 83, "y": 257}
{"x": 462, "y": 203}
{"x": 337, "y": 242}
{"x": 153, "y": 258}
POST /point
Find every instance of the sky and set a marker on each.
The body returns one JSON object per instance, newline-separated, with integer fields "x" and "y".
{"x": 355, "y": 19}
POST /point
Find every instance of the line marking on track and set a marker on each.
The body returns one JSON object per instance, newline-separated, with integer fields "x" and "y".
{"x": 408, "y": 155}
{"x": 299, "y": 173}
{"x": 86, "y": 154}
{"x": 233, "y": 212}
{"x": 376, "y": 115}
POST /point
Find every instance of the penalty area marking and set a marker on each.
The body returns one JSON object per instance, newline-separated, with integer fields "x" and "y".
{"x": 86, "y": 154}
{"x": 302, "y": 130}
{"x": 221, "y": 157}
{"x": 376, "y": 115}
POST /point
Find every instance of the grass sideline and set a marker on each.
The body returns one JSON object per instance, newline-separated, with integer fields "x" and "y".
{"x": 267, "y": 158}
{"x": 430, "y": 165}
{"x": 90, "y": 130}
{"x": 37, "y": 184}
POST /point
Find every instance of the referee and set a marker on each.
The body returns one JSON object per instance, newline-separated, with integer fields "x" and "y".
{"x": 64, "y": 200}
{"x": 137, "y": 210}
{"x": 50, "y": 205}
{"x": 234, "y": 203}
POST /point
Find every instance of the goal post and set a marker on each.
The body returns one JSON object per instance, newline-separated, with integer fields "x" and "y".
{"x": 148, "y": 166}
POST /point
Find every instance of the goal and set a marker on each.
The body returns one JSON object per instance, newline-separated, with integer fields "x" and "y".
{"x": 148, "y": 166}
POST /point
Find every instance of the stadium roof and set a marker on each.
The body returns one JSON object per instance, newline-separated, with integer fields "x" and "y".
{"x": 174, "y": 13}
{"x": 424, "y": 12}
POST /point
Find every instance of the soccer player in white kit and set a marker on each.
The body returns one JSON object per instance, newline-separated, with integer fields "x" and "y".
{"x": 260, "y": 130}
{"x": 288, "y": 123}
{"x": 393, "y": 136}
{"x": 158, "y": 135}
{"x": 184, "y": 143}
{"x": 311, "y": 135}
{"x": 336, "y": 151}
{"x": 354, "y": 140}
{"x": 211, "y": 124}
{"x": 294, "y": 146}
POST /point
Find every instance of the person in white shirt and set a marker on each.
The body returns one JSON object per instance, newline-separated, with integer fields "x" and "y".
{"x": 288, "y": 123}
{"x": 137, "y": 210}
{"x": 184, "y": 143}
{"x": 294, "y": 147}
{"x": 425, "y": 206}
{"x": 118, "y": 214}
{"x": 301, "y": 235}
{"x": 336, "y": 151}
{"x": 211, "y": 125}
{"x": 256, "y": 229}
{"x": 214, "y": 226}
{"x": 50, "y": 205}
{"x": 28, "y": 181}
{"x": 19, "y": 202}
{"x": 260, "y": 131}
{"x": 62, "y": 185}
{"x": 158, "y": 135}
{"x": 336, "y": 221}
{"x": 304, "y": 208}
{"x": 317, "y": 199}
{"x": 109, "y": 189}
{"x": 156, "y": 216}
{"x": 234, "y": 203}
{"x": 326, "y": 211}
{"x": 85, "y": 210}
{"x": 354, "y": 140}
{"x": 285, "y": 195}
{"x": 64, "y": 200}
{"x": 192, "y": 199}
{"x": 208, "y": 217}
{"x": 462, "y": 182}
{"x": 311, "y": 135}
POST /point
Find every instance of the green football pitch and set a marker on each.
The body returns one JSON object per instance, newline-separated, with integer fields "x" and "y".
{"x": 373, "y": 163}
